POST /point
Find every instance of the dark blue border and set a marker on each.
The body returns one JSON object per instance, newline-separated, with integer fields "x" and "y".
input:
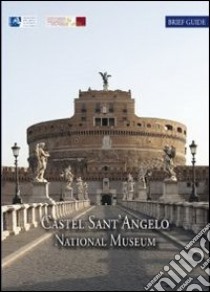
{"x": 187, "y": 21}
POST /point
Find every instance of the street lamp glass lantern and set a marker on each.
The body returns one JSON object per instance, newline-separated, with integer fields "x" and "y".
{"x": 15, "y": 150}
{"x": 193, "y": 148}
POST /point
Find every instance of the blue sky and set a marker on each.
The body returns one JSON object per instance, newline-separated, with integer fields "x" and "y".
{"x": 44, "y": 68}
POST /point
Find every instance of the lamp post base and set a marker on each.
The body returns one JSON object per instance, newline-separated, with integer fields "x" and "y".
{"x": 193, "y": 198}
{"x": 17, "y": 200}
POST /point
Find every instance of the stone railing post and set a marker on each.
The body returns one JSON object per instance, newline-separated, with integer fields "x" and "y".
{"x": 171, "y": 213}
{"x": 160, "y": 210}
{"x": 23, "y": 217}
{"x": 4, "y": 223}
{"x": 200, "y": 216}
{"x": 38, "y": 212}
{"x": 31, "y": 215}
{"x": 178, "y": 214}
{"x": 187, "y": 222}
{"x": 12, "y": 219}
{"x": 167, "y": 212}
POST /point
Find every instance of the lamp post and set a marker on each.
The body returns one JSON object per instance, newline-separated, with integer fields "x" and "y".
{"x": 17, "y": 199}
{"x": 193, "y": 196}
{"x": 61, "y": 194}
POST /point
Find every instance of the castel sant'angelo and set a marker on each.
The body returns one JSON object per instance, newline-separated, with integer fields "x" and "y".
{"x": 106, "y": 141}
{"x": 105, "y": 137}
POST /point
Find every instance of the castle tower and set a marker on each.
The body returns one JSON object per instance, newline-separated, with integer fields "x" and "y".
{"x": 105, "y": 137}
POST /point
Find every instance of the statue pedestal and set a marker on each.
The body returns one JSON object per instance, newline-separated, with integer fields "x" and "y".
{"x": 125, "y": 196}
{"x": 69, "y": 195}
{"x": 130, "y": 196}
{"x": 86, "y": 197}
{"x": 142, "y": 194}
{"x": 80, "y": 197}
{"x": 40, "y": 193}
{"x": 170, "y": 192}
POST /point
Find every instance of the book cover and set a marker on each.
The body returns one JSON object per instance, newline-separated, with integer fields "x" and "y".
{"x": 105, "y": 177}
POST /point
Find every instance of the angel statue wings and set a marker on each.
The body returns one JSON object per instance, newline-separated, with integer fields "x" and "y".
{"x": 169, "y": 155}
{"x": 105, "y": 78}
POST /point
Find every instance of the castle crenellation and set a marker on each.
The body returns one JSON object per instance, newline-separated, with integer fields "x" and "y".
{"x": 184, "y": 173}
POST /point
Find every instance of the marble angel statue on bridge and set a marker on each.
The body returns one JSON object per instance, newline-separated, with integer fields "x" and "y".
{"x": 42, "y": 157}
{"x": 169, "y": 155}
{"x": 68, "y": 177}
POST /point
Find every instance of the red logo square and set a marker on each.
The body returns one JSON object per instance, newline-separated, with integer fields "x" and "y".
{"x": 80, "y": 21}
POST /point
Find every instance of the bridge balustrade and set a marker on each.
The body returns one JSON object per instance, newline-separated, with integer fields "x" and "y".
{"x": 190, "y": 216}
{"x": 17, "y": 218}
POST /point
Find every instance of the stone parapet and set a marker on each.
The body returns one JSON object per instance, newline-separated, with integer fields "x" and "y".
{"x": 17, "y": 218}
{"x": 184, "y": 173}
{"x": 190, "y": 216}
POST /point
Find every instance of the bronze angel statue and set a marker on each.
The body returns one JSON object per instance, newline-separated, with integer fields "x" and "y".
{"x": 105, "y": 77}
{"x": 170, "y": 153}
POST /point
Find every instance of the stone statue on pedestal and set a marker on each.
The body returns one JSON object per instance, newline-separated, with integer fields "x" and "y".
{"x": 131, "y": 184}
{"x": 85, "y": 189}
{"x": 170, "y": 184}
{"x": 40, "y": 190}
{"x": 68, "y": 177}
{"x": 80, "y": 189}
{"x": 125, "y": 190}
{"x": 169, "y": 154}
{"x": 42, "y": 157}
{"x": 142, "y": 183}
{"x": 141, "y": 177}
